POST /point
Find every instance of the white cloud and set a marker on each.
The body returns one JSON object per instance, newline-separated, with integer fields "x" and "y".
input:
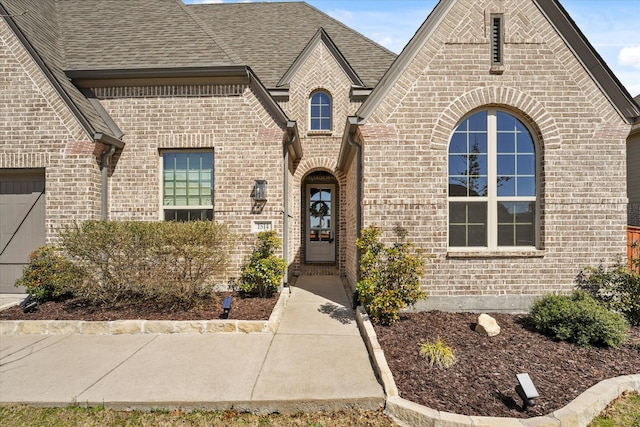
{"x": 389, "y": 29}
{"x": 630, "y": 56}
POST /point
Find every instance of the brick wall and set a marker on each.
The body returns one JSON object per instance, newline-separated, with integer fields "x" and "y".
{"x": 580, "y": 142}
{"x": 229, "y": 119}
{"x": 38, "y": 131}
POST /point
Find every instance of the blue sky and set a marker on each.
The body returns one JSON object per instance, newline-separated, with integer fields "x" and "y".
{"x": 612, "y": 26}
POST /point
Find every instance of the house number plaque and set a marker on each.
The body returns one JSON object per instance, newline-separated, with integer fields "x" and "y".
{"x": 258, "y": 226}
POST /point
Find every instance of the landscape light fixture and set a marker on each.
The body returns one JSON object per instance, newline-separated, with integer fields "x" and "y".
{"x": 259, "y": 193}
{"x": 526, "y": 390}
{"x": 226, "y": 307}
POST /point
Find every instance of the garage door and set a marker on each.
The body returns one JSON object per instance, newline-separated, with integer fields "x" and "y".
{"x": 22, "y": 208}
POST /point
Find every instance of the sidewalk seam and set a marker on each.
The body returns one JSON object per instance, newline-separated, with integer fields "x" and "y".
{"x": 264, "y": 361}
{"x": 75, "y": 398}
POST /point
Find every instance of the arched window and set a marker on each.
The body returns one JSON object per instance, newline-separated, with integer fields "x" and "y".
{"x": 492, "y": 182}
{"x": 320, "y": 111}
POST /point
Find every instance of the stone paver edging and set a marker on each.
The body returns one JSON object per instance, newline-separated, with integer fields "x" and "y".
{"x": 117, "y": 327}
{"x": 580, "y": 412}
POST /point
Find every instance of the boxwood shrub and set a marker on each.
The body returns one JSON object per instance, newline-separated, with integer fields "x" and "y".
{"x": 578, "y": 318}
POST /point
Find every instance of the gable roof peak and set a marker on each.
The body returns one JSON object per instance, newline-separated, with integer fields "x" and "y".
{"x": 321, "y": 36}
{"x": 564, "y": 26}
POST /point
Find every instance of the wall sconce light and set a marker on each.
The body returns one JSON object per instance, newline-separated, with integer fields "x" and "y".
{"x": 526, "y": 390}
{"x": 259, "y": 193}
{"x": 226, "y": 307}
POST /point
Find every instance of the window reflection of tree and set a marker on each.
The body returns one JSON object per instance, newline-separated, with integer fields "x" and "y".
{"x": 472, "y": 182}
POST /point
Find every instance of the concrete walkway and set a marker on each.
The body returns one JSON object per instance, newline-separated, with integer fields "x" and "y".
{"x": 316, "y": 360}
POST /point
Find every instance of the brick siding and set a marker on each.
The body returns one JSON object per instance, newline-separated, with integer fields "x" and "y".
{"x": 580, "y": 142}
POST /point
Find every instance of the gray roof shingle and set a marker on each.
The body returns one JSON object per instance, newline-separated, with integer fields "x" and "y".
{"x": 109, "y": 34}
{"x": 269, "y": 37}
{"x": 76, "y": 35}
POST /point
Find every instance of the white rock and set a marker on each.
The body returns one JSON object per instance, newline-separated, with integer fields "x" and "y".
{"x": 487, "y": 325}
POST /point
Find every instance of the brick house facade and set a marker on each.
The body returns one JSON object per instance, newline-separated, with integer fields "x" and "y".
{"x": 574, "y": 196}
{"x": 101, "y": 116}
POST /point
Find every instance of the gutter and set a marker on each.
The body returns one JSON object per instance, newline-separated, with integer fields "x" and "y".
{"x": 156, "y": 73}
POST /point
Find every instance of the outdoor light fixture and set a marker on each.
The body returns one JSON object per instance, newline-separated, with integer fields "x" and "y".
{"x": 29, "y": 304}
{"x": 259, "y": 193}
{"x": 226, "y": 307}
{"x": 526, "y": 390}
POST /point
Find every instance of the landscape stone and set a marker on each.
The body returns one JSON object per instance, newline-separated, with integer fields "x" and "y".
{"x": 487, "y": 325}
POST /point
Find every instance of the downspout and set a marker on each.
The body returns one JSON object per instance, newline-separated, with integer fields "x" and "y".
{"x": 285, "y": 209}
{"x": 104, "y": 187}
{"x": 358, "y": 148}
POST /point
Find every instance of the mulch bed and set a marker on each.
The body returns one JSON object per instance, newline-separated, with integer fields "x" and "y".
{"x": 483, "y": 380}
{"x": 242, "y": 308}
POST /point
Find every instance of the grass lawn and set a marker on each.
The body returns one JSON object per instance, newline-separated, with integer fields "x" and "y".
{"x": 622, "y": 412}
{"x": 15, "y": 416}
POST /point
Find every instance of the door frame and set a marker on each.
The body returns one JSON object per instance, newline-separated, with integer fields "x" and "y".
{"x": 320, "y": 179}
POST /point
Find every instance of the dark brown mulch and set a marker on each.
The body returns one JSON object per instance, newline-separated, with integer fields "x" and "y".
{"x": 483, "y": 380}
{"x": 242, "y": 308}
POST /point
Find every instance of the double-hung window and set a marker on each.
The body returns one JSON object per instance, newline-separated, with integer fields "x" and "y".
{"x": 320, "y": 111}
{"x": 492, "y": 182}
{"x": 187, "y": 185}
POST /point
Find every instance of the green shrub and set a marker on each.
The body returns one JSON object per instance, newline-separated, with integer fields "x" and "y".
{"x": 578, "y": 318}
{"x": 49, "y": 274}
{"x": 438, "y": 353}
{"x": 390, "y": 276}
{"x": 617, "y": 288}
{"x": 263, "y": 271}
{"x": 166, "y": 262}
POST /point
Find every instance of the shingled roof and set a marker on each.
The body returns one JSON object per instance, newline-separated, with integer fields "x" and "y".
{"x": 269, "y": 37}
{"x": 35, "y": 22}
{"x": 67, "y": 36}
{"x": 132, "y": 34}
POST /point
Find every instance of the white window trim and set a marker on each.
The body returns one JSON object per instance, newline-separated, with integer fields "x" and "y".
{"x": 492, "y": 199}
{"x": 161, "y": 205}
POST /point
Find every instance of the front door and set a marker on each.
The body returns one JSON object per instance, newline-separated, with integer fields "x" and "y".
{"x": 320, "y": 218}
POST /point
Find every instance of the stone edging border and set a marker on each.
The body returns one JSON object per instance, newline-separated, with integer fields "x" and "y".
{"x": 118, "y": 327}
{"x": 580, "y": 412}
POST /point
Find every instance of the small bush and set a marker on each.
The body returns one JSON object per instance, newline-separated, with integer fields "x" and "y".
{"x": 170, "y": 263}
{"x": 49, "y": 274}
{"x": 263, "y": 271}
{"x": 438, "y": 353}
{"x": 390, "y": 276}
{"x": 578, "y": 318}
{"x": 617, "y": 288}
